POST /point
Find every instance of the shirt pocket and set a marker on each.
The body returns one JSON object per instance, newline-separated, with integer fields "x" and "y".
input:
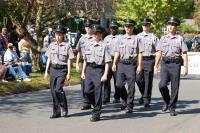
{"x": 63, "y": 56}
{"x": 122, "y": 49}
{"x": 53, "y": 54}
{"x": 100, "y": 56}
{"x": 175, "y": 49}
{"x": 165, "y": 47}
{"x": 132, "y": 49}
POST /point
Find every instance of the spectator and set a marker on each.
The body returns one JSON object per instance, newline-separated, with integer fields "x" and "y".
{"x": 13, "y": 64}
{"x": 25, "y": 53}
{"x": 3, "y": 70}
{"x": 3, "y": 41}
{"x": 13, "y": 38}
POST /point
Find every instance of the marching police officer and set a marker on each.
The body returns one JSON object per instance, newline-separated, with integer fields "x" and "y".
{"x": 171, "y": 50}
{"x": 145, "y": 78}
{"x": 112, "y": 40}
{"x": 59, "y": 55}
{"x": 130, "y": 55}
{"x": 95, "y": 71}
{"x": 83, "y": 41}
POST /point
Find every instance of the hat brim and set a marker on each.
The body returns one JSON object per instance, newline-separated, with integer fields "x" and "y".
{"x": 63, "y": 32}
{"x": 173, "y": 22}
{"x": 128, "y": 24}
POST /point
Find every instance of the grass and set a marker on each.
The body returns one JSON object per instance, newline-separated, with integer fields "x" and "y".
{"x": 37, "y": 83}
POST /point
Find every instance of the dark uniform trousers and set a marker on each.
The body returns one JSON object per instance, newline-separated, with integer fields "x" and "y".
{"x": 107, "y": 86}
{"x": 144, "y": 80}
{"x": 57, "y": 79}
{"x": 93, "y": 87}
{"x": 85, "y": 100}
{"x": 170, "y": 72}
{"x": 126, "y": 72}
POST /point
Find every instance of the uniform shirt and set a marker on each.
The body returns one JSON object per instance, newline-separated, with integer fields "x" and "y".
{"x": 111, "y": 41}
{"x": 149, "y": 41}
{"x": 59, "y": 53}
{"x": 83, "y": 41}
{"x": 128, "y": 47}
{"x": 97, "y": 53}
{"x": 172, "y": 46}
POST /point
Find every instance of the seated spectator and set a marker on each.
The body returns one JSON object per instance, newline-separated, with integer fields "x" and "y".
{"x": 25, "y": 53}
{"x": 3, "y": 70}
{"x": 13, "y": 64}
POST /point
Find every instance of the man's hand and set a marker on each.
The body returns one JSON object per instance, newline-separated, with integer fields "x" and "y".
{"x": 104, "y": 78}
{"x": 139, "y": 70}
{"x": 114, "y": 68}
{"x": 46, "y": 76}
{"x": 185, "y": 70}
{"x": 83, "y": 75}
{"x": 78, "y": 68}
{"x": 68, "y": 77}
{"x": 155, "y": 70}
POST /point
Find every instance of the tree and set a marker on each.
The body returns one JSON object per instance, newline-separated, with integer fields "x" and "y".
{"x": 157, "y": 10}
{"x": 197, "y": 13}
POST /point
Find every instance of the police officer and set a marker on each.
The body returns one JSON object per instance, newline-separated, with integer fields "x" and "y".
{"x": 171, "y": 51}
{"x": 83, "y": 41}
{"x": 95, "y": 71}
{"x": 59, "y": 55}
{"x": 145, "y": 78}
{"x": 130, "y": 55}
{"x": 112, "y": 40}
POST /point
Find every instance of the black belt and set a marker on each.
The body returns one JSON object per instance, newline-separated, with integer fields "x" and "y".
{"x": 57, "y": 66}
{"x": 94, "y": 65}
{"x": 148, "y": 57}
{"x": 129, "y": 61}
{"x": 168, "y": 60}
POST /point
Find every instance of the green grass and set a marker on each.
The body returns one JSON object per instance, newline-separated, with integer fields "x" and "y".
{"x": 37, "y": 83}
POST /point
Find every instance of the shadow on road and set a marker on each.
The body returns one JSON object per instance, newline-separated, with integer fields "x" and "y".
{"x": 23, "y": 103}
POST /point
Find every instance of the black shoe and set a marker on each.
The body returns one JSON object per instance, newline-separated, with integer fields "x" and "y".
{"x": 128, "y": 110}
{"x": 172, "y": 112}
{"x": 55, "y": 116}
{"x": 106, "y": 102}
{"x": 95, "y": 118}
{"x": 146, "y": 105}
{"x": 123, "y": 107}
{"x": 86, "y": 107}
{"x": 165, "y": 107}
{"x": 116, "y": 101}
{"x": 141, "y": 101}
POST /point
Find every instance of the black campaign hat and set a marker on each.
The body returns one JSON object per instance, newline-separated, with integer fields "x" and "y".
{"x": 146, "y": 21}
{"x": 97, "y": 28}
{"x": 173, "y": 20}
{"x": 60, "y": 29}
{"x": 88, "y": 23}
{"x": 129, "y": 22}
{"x": 113, "y": 24}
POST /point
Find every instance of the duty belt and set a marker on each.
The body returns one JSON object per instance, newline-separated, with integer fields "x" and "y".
{"x": 57, "y": 66}
{"x": 129, "y": 61}
{"x": 94, "y": 65}
{"x": 176, "y": 59}
{"x": 148, "y": 57}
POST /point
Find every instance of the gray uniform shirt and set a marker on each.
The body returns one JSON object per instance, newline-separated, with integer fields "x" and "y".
{"x": 172, "y": 46}
{"x": 60, "y": 53}
{"x": 83, "y": 41}
{"x": 97, "y": 53}
{"x": 112, "y": 41}
{"x": 149, "y": 41}
{"x": 128, "y": 47}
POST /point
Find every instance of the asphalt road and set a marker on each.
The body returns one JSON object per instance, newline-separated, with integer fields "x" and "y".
{"x": 29, "y": 113}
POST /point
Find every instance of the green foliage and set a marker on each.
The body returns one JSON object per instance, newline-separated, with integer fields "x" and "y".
{"x": 186, "y": 29}
{"x": 157, "y": 10}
